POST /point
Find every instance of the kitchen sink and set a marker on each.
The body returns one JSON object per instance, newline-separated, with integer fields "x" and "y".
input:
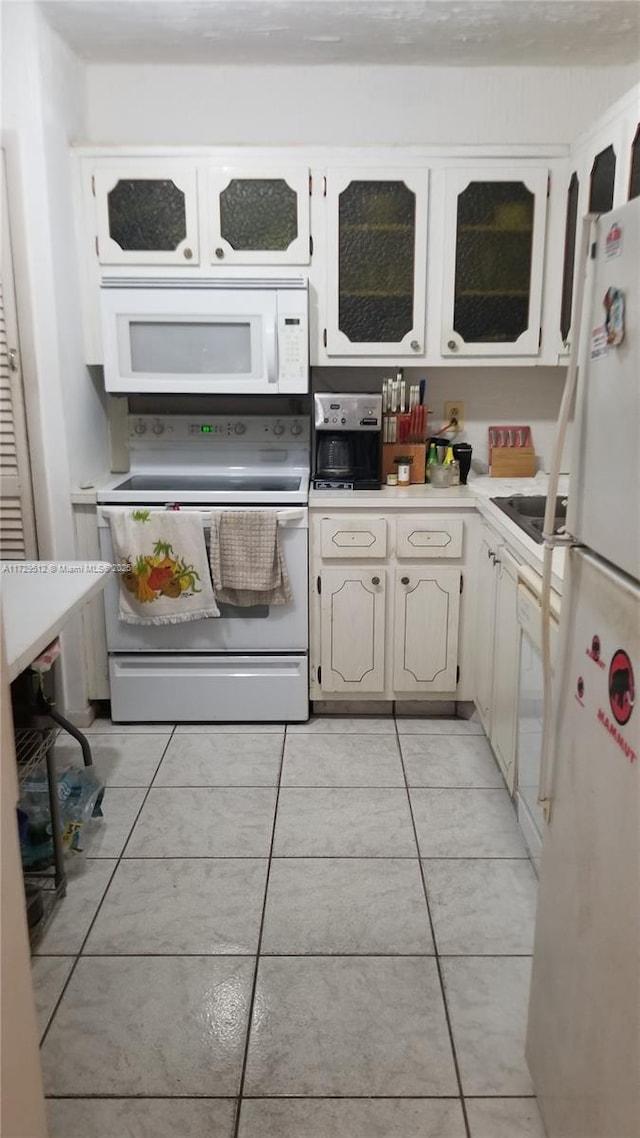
{"x": 527, "y": 511}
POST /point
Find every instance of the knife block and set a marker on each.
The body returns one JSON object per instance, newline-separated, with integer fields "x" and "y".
{"x": 513, "y": 462}
{"x": 416, "y": 451}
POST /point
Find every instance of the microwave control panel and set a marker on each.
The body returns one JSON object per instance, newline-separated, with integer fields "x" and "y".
{"x": 293, "y": 338}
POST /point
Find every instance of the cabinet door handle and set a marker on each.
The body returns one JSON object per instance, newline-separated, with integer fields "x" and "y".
{"x": 188, "y": 254}
{"x": 219, "y": 254}
{"x": 375, "y": 580}
{"x": 404, "y": 580}
{"x": 415, "y": 346}
{"x": 452, "y": 346}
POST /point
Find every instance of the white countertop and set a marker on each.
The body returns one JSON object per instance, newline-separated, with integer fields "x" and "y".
{"x": 454, "y": 497}
{"x": 38, "y": 597}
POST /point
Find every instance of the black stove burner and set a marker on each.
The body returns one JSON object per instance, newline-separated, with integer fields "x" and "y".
{"x": 181, "y": 483}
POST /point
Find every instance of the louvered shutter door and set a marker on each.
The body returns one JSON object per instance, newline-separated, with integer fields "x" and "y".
{"x": 17, "y": 522}
{"x": 12, "y": 536}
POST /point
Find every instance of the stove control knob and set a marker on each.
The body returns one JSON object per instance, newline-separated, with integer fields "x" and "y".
{"x": 278, "y": 429}
{"x": 240, "y": 428}
{"x": 158, "y": 428}
{"x": 140, "y": 428}
{"x": 296, "y": 429}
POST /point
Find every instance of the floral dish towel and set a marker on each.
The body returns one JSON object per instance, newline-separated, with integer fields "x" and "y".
{"x": 166, "y": 578}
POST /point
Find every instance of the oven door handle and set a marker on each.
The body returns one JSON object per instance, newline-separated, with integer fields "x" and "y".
{"x": 284, "y": 516}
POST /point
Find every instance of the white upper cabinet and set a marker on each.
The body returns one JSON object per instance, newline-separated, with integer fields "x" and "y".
{"x": 146, "y": 213}
{"x": 604, "y": 173}
{"x": 258, "y": 216}
{"x": 376, "y": 256}
{"x": 493, "y": 261}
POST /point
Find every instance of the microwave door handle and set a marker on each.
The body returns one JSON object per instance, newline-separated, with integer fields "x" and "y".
{"x": 271, "y": 347}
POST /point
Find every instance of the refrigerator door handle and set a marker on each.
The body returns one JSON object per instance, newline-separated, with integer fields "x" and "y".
{"x": 587, "y": 237}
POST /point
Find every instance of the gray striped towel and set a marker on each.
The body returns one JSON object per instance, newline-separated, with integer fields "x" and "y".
{"x": 247, "y": 563}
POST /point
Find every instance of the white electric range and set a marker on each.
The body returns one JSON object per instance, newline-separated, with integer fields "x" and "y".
{"x": 250, "y": 664}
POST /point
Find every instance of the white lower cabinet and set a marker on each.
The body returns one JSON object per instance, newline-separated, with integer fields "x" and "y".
{"x": 352, "y": 629}
{"x": 498, "y": 649}
{"x": 426, "y": 608}
{"x": 506, "y": 666}
{"x": 485, "y": 626}
{"x": 391, "y": 624}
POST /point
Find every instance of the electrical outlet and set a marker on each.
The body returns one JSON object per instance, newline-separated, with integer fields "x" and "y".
{"x": 454, "y": 413}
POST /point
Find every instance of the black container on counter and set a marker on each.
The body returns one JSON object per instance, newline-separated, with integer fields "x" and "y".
{"x": 462, "y": 453}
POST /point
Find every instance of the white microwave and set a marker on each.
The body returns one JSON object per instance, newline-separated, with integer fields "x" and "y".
{"x": 237, "y": 336}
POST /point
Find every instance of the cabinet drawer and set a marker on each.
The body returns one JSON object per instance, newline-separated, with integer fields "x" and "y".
{"x": 353, "y": 537}
{"x": 429, "y": 537}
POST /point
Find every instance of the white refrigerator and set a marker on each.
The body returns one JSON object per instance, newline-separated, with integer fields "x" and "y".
{"x": 583, "y": 1036}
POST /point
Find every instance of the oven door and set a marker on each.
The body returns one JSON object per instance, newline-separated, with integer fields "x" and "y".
{"x": 190, "y": 340}
{"x": 261, "y": 628}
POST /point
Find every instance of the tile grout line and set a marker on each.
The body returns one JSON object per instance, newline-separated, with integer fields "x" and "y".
{"x": 285, "y": 1098}
{"x": 303, "y": 857}
{"x": 435, "y": 946}
{"x": 245, "y": 1058}
{"x": 78, "y": 954}
{"x": 292, "y": 955}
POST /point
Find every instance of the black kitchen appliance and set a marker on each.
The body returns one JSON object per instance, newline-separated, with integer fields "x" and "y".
{"x": 348, "y": 442}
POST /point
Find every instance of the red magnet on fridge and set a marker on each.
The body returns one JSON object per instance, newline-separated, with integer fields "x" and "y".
{"x": 613, "y": 242}
{"x": 614, "y": 316}
{"x": 621, "y": 687}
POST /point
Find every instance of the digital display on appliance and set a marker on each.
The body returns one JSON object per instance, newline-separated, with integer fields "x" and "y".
{"x": 292, "y": 320}
{"x": 206, "y": 429}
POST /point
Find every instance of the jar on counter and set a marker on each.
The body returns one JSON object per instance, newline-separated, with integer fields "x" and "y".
{"x": 404, "y": 469}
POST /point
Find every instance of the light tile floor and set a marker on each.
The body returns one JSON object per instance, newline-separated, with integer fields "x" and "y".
{"x": 317, "y": 932}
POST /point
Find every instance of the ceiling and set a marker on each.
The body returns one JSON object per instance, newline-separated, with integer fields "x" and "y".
{"x": 302, "y": 32}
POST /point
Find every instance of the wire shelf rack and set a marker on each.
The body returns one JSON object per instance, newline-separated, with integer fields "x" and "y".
{"x": 32, "y": 746}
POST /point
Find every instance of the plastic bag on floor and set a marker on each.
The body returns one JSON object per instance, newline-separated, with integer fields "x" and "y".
{"x": 80, "y": 794}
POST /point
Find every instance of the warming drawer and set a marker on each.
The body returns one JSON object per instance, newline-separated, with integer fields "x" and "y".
{"x": 208, "y": 689}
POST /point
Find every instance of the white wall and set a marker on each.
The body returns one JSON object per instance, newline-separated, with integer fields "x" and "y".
{"x": 513, "y": 397}
{"x": 346, "y": 105}
{"x": 43, "y": 101}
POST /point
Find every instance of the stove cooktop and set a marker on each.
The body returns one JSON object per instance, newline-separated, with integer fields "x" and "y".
{"x": 253, "y": 460}
{"x": 152, "y": 488}
{"x": 180, "y": 484}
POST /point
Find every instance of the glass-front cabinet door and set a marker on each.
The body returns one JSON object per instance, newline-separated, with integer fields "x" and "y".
{"x": 259, "y": 217}
{"x": 376, "y": 262}
{"x": 634, "y": 167}
{"x": 147, "y": 214}
{"x": 568, "y": 269}
{"x": 602, "y": 181}
{"x": 493, "y": 261}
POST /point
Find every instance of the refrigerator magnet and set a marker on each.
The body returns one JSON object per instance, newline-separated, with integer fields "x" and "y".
{"x": 613, "y": 242}
{"x": 614, "y": 316}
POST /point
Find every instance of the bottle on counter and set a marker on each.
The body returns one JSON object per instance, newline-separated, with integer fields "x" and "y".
{"x": 403, "y": 464}
{"x": 432, "y": 460}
